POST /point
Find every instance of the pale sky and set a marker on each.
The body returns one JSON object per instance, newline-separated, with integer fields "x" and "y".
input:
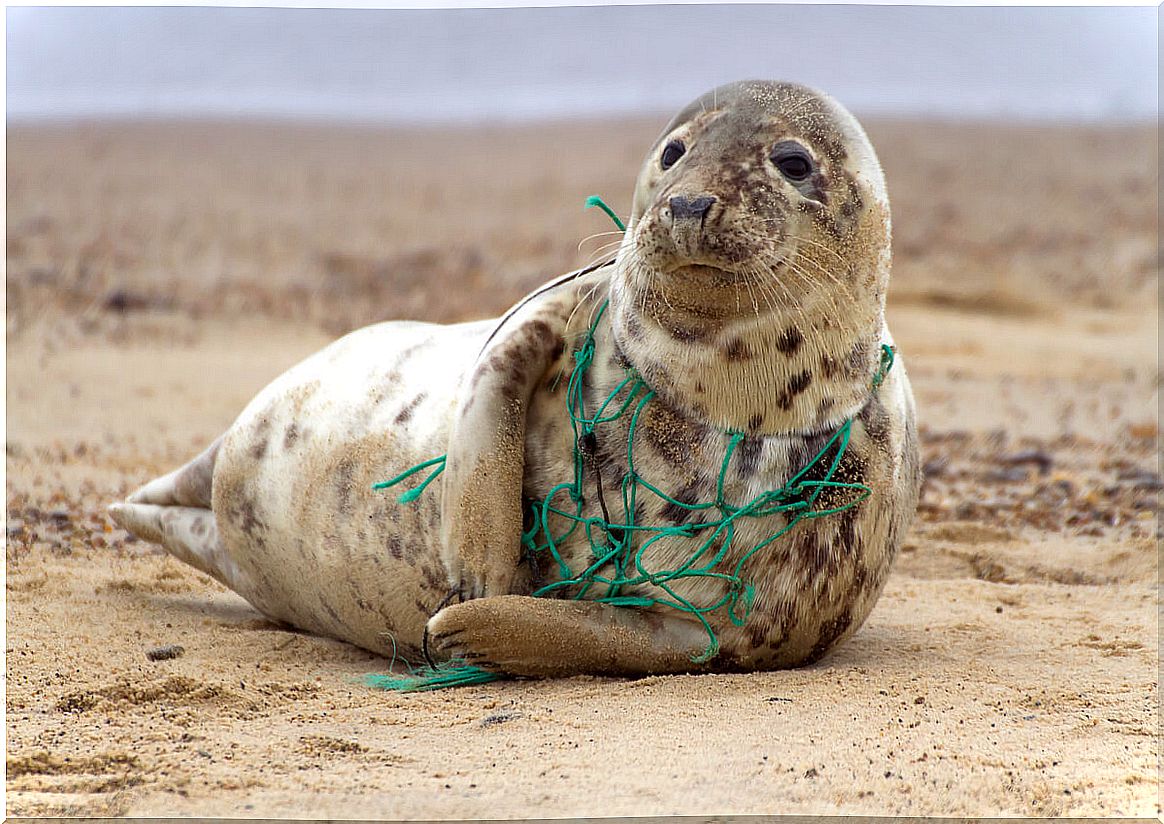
{"x": 458, "y": 64}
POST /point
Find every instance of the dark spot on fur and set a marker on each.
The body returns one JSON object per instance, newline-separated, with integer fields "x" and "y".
{"x": 783, "y": 618}
{"x": 432, "y": 579}
{"x": 789, "y": 340}
{"x": 860, "y": 576}
{"x": 758, "y": 633}
{"x": 806, "y": 449}
{"x": 736, "y": 350}
{"x": 291, "y": 435}
{"x": 404, "y": 414}
{"x": 799, "y": 382}
{"x": 829, "y": 366}
{"x": 830, "y": 631}
{"x": 848, "y": 538}
{"x": 248, "y": 519}
{"x": 674, "y": 513}
{"x": 540, "y": 329}
{"x": 755, "y": 421}
{"x": 396, "y": 547}
{"x": 796, "y": 385}
{"x": 497, "y": 362}
{"x": 813, "y": 552}
{"x": 748, "y": 456}
{"x": 672, "y": 435}
{"x": 258, "y": 448}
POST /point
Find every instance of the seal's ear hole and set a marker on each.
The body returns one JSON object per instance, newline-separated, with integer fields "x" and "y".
{"x": 671, "y": 154}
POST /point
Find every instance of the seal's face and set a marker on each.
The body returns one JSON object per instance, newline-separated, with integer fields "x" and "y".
{"x": 750, "y": 286}
{"x": 766, "y": 190}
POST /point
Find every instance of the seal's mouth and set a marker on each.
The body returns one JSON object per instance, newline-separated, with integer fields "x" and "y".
{"x": 699, "y": 270}
{"x": 701, "y": 274}
{"x": 720, "y": 275}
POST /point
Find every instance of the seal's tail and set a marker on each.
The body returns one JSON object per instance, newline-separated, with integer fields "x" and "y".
{"x": 174, "y": 511}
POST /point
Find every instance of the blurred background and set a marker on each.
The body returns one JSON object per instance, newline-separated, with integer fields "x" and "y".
{"x": 338, "y": 166}
{"x": 534, "y": 63}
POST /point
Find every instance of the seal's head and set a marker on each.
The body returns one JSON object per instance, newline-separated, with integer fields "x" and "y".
{"x": 760, "y": 229}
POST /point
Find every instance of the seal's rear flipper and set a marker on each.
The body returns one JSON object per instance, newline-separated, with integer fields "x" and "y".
{"x": 190, "y": 534}
{"x": 187, "y": 486}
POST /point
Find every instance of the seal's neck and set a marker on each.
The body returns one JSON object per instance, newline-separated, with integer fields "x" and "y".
{"x": 776, "y": 371}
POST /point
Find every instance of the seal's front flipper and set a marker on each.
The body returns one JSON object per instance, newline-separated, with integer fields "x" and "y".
{"x": 543, "y": 637}
{"x": 481, "y": 515}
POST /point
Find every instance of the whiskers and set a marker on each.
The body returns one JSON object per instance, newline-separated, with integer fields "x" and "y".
{"x": 771, "y": 282}
{"x": 604, "y": 253}
{"x": 816, "y": 244}
{"x": 584, "y": 240}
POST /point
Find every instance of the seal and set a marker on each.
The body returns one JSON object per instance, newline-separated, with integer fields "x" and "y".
{"x": 748, "y": 294}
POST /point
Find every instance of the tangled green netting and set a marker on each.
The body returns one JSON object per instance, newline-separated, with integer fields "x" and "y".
{"x": 616, "y": 572}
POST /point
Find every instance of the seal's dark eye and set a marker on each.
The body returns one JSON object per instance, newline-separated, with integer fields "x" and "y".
{"x": 793, "y": 162}
{"x": 671, "y": 154}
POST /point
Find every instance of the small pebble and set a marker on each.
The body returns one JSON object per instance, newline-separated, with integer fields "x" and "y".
{"x": 499, "y": 718}
{"x": 165, "y": 653}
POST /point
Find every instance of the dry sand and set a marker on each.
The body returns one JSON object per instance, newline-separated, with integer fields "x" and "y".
{"x": 159, "y": 275}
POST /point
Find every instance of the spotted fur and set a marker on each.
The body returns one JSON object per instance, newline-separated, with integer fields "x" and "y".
{"x": 763, "y": 315}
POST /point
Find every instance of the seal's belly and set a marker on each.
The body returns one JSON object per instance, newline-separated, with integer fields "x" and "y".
{"x": 317, "y": 546}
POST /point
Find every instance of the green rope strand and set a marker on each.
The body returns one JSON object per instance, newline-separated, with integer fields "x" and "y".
{"x": 619, "y": 546}
{"x": 426, "y": 679}
{"x": 595, "y": 200}
{"x": 412, "y": 494}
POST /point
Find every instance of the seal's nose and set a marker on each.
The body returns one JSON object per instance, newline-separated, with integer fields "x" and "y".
{"x": 691, "y": 208}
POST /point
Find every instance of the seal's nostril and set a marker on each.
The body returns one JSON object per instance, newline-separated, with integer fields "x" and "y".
{"x": 694, "y": 208}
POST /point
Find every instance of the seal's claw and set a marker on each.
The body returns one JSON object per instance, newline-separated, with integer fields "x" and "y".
{"x": 456, "y": 633}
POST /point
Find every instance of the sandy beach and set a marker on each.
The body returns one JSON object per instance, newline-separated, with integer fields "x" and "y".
{"x": 158, "y": 275}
